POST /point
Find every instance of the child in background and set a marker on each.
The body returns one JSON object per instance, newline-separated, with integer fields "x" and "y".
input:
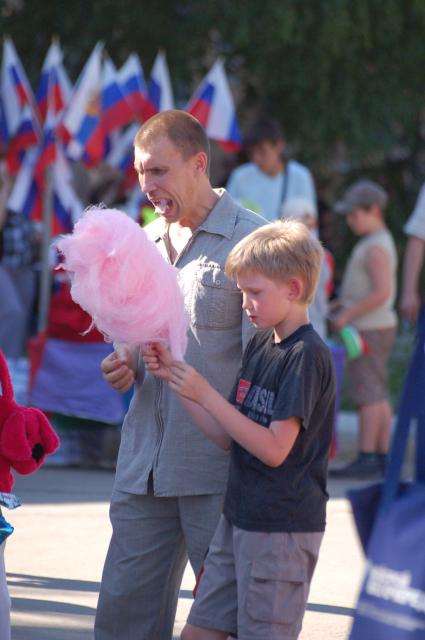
{"x": 366, "y": 302}
{"x": 278, "y": 425}
{"x": 305, "y": 211}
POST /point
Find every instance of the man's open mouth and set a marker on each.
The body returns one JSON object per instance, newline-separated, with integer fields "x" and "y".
{"x": 162, "y": 205}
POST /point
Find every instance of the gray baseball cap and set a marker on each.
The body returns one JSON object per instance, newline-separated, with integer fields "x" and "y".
{"x": 362, "y": 194}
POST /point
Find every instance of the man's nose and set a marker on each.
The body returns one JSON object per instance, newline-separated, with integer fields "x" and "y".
{"x": 146, "y": 182}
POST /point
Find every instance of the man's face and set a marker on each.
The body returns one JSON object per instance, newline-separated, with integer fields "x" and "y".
{"x": 168, "y": 180}
{"x": 268, "y": 156}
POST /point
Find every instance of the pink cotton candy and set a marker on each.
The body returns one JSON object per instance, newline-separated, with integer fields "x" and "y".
{"x": 120, "y": 278}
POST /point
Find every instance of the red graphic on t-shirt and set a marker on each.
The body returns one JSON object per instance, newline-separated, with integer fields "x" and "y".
{"x": 243, "y": 388}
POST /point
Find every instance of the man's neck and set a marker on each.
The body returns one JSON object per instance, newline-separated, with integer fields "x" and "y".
{"x": 200, "y": 211}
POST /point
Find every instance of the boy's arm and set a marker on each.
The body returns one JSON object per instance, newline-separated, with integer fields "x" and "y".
{"x": 271, "y": 445}
{"x": 379, "y": 270}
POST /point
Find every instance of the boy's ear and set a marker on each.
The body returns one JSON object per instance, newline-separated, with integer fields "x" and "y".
{"x": 296, "y": 289}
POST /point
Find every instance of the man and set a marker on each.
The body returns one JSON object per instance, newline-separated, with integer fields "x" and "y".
{"x": 170, "y": 479}
{"x": 410, "y": 300}
{"x": 265, "y": 183}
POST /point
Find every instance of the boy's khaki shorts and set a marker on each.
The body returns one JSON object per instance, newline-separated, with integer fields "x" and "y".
{"x": 367, "y": 375}
{"x": 256, "y": 584}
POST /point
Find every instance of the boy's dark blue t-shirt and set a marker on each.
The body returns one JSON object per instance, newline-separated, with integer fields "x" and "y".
{"x": 277, "y": 381}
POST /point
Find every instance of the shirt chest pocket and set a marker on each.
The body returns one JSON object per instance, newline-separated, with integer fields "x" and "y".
{"x": 216, "y": 301}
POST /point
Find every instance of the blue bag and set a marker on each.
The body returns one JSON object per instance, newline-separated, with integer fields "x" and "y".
{"x": 390, "y": 519}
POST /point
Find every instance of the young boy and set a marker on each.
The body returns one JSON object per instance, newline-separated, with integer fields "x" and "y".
{"x": 278, "y": 425}
{"x": 366, "y": 302}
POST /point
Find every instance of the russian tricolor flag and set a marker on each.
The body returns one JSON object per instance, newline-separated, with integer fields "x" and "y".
{"x": 27, "y": 135}
{"x": 4, "y": 137}
{"x": 116, "y": 111}
{"x": 67, "y": 206}
{"x": 133, "y": 86}
{"x": 62, "y": 88}
{"x": 160, "y": 93}
{"x": 28, "y": 192}
{"x": 212, "y": 104}
{"x": 25, "y": 196}
{"x": 15, "y": 89}
{"x": 47, "y": 154}
{"x": 82, "y": 117}
{"x": 121, "y": 156}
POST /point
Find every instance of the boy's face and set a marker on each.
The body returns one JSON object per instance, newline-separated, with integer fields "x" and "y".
{"x": 363, "y": 221}
{"x": 268, "y": 156}
{"x": 266, "y": 302}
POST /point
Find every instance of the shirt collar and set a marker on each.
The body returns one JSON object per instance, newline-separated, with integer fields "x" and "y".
{"x": 221, "y": 220}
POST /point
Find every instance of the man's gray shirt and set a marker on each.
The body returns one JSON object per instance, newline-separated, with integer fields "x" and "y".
{"x": 158, "y": 435}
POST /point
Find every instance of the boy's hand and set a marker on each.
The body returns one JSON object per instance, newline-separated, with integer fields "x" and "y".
{"x": 117, "y": 369}
{"x": 187, "y": 382}
{"x": 339, "y": 321}
{"x": 158, "y": 360}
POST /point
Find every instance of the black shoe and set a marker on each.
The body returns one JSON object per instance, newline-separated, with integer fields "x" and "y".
{"x": 367, "y": 466}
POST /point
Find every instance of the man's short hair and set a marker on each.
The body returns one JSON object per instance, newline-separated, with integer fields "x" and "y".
{"x": 264, "y": 130}
{"x": 279, "y": 251}
{"x": 184, "y": 131}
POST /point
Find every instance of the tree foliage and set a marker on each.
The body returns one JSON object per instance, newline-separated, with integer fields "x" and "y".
{"x": 334, "y": 71}
{"x": 346, "y": 79}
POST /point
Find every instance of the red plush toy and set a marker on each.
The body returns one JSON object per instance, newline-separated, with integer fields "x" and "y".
{"x": 26, "y": 436}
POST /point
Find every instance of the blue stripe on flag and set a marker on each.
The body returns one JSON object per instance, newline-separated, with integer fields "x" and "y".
{"x": 62, "y": 213}
{"x": 155, "y": 94}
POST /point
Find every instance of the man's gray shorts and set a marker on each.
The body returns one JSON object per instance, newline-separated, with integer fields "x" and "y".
{"x": 256, "y": 584}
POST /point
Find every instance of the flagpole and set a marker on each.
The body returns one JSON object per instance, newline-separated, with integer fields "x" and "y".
{"x": 45, "y": 273}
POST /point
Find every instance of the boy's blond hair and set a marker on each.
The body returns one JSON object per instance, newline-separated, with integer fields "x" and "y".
{"x": 279, "y": 251}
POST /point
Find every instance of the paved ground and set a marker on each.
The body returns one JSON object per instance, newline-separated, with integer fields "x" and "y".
{"x": 55, "y": 557}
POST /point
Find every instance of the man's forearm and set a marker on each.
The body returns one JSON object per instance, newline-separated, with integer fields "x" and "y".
{"x": 412, "y": 265}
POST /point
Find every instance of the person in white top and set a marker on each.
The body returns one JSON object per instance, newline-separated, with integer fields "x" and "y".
{"x": 367, "y": 298}
{"x": 410, "y": 300}
{"x": 264, "y": 184}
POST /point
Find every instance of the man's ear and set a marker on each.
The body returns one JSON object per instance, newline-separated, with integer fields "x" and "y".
{"x": 296, "y": 289}
{"x": 201, "y": 163}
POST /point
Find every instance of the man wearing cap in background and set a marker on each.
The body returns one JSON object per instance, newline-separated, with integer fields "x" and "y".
{"x": 264, "y": 184}
{"x": 366, "y": 302}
